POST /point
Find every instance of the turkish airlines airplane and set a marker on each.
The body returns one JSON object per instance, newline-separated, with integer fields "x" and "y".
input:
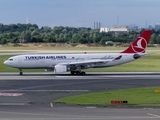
{"x": 76, "y": 62}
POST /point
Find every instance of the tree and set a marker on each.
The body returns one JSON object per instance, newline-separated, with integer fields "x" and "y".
{"x": 153, "y": 39}
{"x": 1, "y": 28}
{"x": 158, "y": 39}
{"x": 25, "y": 37}
{"x": 103, "y": 41}
{"x": 3, "y": 41}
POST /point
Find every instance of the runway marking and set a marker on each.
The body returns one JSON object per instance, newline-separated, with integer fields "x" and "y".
{"x": 88, "y": 76}
{"x": 157, "y": 116}
{"x": 11, "y": 94}
{"x": 109, "y": 76}
{"x": 74, "y": 117}
{"x": 44, "y": 91}
{"x": 81, "y": 77}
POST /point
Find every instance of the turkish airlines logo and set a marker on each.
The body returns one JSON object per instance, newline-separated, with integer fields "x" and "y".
{"x": 140, "y": 45}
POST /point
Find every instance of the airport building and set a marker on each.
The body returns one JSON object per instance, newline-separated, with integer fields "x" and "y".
{"x": 157, "y": 26}
{"x": 117, "y": 29}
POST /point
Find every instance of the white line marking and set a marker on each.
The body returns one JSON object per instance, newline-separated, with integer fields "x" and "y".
{"x": 154, "y": 115}
{"x": 46, "y": 90}
{"x": 11, "y": 94}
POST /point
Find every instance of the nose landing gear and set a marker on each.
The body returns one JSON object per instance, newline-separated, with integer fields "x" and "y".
{"x": 20, "y": 73}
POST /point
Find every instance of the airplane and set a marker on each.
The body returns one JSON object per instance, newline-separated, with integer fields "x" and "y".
{"x": 75, "y": 63}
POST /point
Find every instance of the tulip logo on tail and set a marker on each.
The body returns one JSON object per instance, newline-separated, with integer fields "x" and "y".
{"x": 140, "y": 45}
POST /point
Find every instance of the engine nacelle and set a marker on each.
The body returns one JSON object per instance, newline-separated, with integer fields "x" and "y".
{"x": 60, "y": 68}
{"x": 136, "y": 56}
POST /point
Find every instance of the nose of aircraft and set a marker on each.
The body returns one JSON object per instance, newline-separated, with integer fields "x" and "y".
{"x": 6, "y": 62}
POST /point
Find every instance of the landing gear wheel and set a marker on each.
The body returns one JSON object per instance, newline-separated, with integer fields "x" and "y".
{"x": 83, "y": 73}
{"x": 77, "y": 72}
{"x": 72, "y": 72}
{"x": 21, "y": 73}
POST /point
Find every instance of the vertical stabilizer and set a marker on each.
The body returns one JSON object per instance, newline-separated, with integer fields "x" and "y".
{"x": 139, "y": 45}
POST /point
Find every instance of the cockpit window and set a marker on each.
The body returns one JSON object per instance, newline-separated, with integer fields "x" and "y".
{"x": 10, "y": 59}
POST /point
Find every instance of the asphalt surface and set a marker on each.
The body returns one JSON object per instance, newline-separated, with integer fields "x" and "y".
{"x": 28, "y": 97}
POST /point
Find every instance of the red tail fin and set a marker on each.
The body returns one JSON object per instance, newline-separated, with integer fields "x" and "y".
{"x": 139, "y": 45}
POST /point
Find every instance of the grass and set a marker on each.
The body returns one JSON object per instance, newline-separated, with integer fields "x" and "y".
{"x": 69, "y": 48}
{"x": 62, "y": 48}
{"x": 138, "y": 97}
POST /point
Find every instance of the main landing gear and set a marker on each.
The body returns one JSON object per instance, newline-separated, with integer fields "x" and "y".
{"x": 76, "y": 70}
{"x": 78, "y": 73}
{"x": 20, "y": 73}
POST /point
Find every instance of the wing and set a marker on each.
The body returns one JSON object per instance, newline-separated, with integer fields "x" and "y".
{"x": 88, "y": 62}
{"x": 62, "y": 67}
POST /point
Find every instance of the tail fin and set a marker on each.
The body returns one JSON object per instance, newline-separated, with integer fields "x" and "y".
{"x": 139, "y": 45}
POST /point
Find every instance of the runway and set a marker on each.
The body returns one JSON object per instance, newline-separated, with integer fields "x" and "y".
{"x": 30, "y": 95}
{"x": 46, "y": 87}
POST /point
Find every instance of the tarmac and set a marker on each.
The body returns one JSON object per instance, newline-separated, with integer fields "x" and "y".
{"x": 29, "y": 97}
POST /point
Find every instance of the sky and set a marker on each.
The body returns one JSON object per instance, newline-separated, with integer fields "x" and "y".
{"x": 80, "y": 13}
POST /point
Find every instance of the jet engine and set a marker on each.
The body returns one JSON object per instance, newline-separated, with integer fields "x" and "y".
{"x": 60, "y": 68}
{"x": 136, "y": 56}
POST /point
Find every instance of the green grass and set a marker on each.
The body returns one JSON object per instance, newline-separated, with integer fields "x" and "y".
{"x": 70, "y": 48}
{"x": 135, "y": 97}
{"x": 63, "y": 48}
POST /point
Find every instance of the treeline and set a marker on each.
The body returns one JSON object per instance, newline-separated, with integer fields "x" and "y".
{"x": 31, "y": 33}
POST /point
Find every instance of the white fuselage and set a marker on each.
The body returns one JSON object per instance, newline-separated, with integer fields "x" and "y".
{"x": 48, "y": 61}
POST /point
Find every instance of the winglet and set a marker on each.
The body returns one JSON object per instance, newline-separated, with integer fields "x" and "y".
{"x": 139, "y": 45}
